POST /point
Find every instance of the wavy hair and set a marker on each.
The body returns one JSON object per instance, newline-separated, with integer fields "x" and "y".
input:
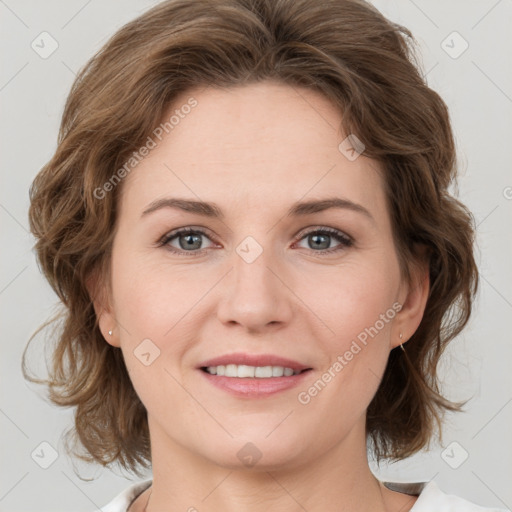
{"x": 346, "y": 50}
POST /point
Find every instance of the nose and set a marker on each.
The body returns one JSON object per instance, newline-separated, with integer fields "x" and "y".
{"x": 256, "y": 294}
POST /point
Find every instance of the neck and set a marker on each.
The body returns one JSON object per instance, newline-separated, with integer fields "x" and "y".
{"x": 339, "y": 479}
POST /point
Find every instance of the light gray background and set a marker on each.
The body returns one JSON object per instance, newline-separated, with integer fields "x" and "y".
{"x": 477, "y": 87}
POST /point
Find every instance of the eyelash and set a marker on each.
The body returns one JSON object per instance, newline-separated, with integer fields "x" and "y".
{"x": 345, "y": 240}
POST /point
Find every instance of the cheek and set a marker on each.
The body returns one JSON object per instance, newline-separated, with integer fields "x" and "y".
{"x": 359, "y": 309}
{"x": 156, "y": 304}
{"x": 357, "y": 300}
{"x": 151, "y": 298}
{"x": 148, "y": 307}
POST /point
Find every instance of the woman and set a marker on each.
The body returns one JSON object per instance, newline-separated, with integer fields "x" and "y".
{"x": 247, "y": 219}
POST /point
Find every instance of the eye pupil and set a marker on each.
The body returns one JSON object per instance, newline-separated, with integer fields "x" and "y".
{"x": 318, "y": 243}
{"x": 190, "y": 240}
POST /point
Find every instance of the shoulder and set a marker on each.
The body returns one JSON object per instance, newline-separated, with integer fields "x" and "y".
{"x": 123, "y": 500}
{"x": 432, "y": 498}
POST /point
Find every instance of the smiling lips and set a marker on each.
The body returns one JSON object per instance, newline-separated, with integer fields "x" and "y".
{"x": 246, "y": 375}
{"x": 245, "y": 371}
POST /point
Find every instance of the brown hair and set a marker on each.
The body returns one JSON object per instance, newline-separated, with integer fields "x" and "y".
{"x": 354, "y": 56}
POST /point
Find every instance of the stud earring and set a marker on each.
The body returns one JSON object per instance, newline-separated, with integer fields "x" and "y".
{"x": 110, "y": 333}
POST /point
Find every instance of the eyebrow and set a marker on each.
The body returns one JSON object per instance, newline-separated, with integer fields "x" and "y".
{"x": 296, "y": 210}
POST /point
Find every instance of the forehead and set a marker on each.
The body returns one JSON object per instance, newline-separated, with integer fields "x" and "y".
{"x": 252, "y": 145}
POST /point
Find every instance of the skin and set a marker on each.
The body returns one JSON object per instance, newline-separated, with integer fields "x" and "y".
{"x": 254, "y": 150}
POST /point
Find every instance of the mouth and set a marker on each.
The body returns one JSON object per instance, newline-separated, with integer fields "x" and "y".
{"x": 242, "y": 371}
{"x": 253, "y": 376}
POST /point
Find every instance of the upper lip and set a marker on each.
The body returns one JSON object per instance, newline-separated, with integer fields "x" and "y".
{"x": 254, "y": 360}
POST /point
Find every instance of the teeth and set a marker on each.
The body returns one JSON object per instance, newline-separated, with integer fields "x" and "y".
{"x": 263, "y": 372}
{"x": 244, "y": 371}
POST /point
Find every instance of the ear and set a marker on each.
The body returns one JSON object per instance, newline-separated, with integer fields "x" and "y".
{"x": 100, "y": 295}
{"x": 413, "y": 298}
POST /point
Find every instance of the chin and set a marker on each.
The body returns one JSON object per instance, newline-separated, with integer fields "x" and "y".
{"x": 258, "y": 452}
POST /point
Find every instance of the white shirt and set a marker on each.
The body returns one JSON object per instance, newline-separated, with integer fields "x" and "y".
{"x": 431, "y": 498}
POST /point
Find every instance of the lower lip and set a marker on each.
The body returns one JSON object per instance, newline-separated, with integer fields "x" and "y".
{"x": 253, "y": 387}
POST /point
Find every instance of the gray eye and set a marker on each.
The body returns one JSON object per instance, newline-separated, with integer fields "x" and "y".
{"x": 190, "y": 241}
{"x": 319, "y": 241}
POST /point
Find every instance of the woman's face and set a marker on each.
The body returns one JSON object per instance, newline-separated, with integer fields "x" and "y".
{"x": 253, "y": 283}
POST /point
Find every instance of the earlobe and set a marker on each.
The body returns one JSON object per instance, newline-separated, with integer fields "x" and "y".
{"x": 107, "y": 325}
{"x": 413, "y": 306}
{"x": 103, "y": 310}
